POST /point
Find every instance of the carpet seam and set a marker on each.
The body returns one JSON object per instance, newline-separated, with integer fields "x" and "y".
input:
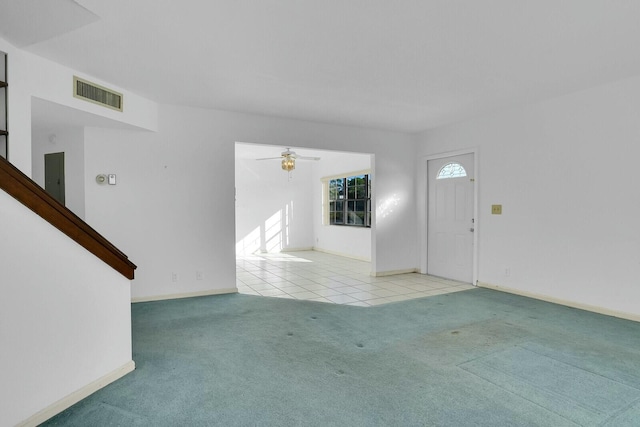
{"x": 551, "y": 392}
{"x": 583, "y": 369}
{"x": 518, "y": 396}
{"x": 619, "y": 412}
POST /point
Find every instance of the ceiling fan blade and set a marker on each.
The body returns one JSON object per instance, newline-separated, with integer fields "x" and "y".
{"x": 307, "y": 158}
{"x": 270, "y": 158}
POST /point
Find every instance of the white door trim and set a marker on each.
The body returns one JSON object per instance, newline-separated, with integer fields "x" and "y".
{"x": 424, "y": 238}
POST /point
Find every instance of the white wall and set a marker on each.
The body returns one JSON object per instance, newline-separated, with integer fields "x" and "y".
{"x": 172, "y": 210}
{"x": 32, "y": 76}
{"x": 173, "y": 207}
{"x": 65, "y": 316}
{"x": 69, "y": 141}
{"x": 565, "y": 172}
{"x": 273, "y": 212}
{"x": 19, "y": 107}
{"x": 353, "y": 242}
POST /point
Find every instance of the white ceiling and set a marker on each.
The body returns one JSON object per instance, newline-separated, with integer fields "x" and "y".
{"x": 252, "y": 151}
{"x": 404, "y": 65}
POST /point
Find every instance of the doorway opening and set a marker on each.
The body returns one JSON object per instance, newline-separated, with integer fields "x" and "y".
{"x": 282, "y": 213}
{"x": 54, "y": 176}
{"x": 280, "y": 210}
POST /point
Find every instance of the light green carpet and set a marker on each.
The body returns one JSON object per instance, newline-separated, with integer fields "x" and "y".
{"x": 472, "y": 358}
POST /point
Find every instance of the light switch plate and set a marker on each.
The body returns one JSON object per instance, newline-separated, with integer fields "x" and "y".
{"x": 112, "y": 179}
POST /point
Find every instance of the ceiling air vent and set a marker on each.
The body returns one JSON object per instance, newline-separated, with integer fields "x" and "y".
{"x": 97, "y": 94}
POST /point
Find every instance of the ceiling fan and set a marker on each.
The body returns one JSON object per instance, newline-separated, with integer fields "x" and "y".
{"x": 289, "y": 158}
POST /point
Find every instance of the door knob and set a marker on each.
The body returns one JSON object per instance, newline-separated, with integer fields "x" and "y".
{"x": 472, "y": 229}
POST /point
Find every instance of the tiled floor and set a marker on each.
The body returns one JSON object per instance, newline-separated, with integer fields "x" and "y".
{"x": 317, "y": 276}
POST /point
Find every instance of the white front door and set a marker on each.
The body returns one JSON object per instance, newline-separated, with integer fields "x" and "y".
{"x": 450, "y": 218}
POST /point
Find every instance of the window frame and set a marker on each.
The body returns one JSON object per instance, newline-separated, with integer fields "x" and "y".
{"x": 457, "y": 171}
{"x": 337, "y": 202}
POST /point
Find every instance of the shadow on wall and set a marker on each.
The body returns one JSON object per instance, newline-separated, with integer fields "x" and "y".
{"x": 270, "y": 236}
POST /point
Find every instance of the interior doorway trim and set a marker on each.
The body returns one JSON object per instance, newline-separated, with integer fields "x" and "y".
{"x": 425, "y": 182}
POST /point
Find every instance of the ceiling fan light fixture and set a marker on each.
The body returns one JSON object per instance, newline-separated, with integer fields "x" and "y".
{"x": 288, "y": 163}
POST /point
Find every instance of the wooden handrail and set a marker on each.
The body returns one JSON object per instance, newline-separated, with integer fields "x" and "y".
{"x": 30, "y": 194}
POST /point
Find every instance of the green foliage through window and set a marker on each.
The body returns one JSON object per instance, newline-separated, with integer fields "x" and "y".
{"x": 350, "y": 201}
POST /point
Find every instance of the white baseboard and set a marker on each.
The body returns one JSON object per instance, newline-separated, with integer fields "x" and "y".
{"x": 327, "y": 251}
{"x": 185, "y": 295}
{"x": 573, "y": 304}
{"x": 310, "y": 248}
{"x": 394, "y": 272}
{"x": 78, "y": 395}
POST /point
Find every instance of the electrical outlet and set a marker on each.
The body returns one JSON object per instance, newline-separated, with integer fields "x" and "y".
{"x": 507, "y": 272}
{"x": 199, "y": 275}
{"x": 174, "y": 277}
{"x": 496, "y": 209}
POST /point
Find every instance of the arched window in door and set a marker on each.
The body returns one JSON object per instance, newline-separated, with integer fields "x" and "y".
{"x": 451, "y": 170}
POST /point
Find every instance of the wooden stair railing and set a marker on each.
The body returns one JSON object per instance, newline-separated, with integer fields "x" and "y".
{"x": 30, "y": 194}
